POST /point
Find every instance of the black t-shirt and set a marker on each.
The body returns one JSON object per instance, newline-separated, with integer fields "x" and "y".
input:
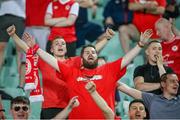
{"x": 150, "y": 74}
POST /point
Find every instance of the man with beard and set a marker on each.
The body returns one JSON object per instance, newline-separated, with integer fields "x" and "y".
{"x": 147, "y": 76}
{"x": 164, "y": 106}
{"x": 105, "y": 77}
{"x": 55, "y": 90}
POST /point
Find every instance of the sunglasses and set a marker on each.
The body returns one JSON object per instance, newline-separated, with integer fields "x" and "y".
{"x": 24, "y": 108}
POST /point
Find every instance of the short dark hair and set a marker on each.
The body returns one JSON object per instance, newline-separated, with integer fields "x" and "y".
{"x": 152, "y": 41}
{"x": 85, "y": 46}
{"x": 102, "y": 57}
{"x": 57, "y": 37}
{"x": 164, "y": 76}
{"x": 136, "y": 101}
{"x": 20, "y": 99}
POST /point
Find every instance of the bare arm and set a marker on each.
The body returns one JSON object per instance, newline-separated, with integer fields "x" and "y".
{"x": 48, "y": 58}
{"x": 149, "y": 7}
{"x": 11, "y": 31}
{"x": 60, "y": 22}
{"x": 159, "y": 11}
{"x": 173, "y": 27}
{"x": 65, "y": 113}
{"x": 160, "y": 64}
{"x": 135, "y": 51}
{"x": 104, "y": 40}
{"x": 136, "y": 7}
{"x": 142, "y": 86}
{"x": 67, "y": 22}
{"x": 28, "y": 38}
{"x": 85, "y": 3}
{"x": 52, "y": 21}
{"x": 107, "y": 111}
{"x": 129, "y": 91}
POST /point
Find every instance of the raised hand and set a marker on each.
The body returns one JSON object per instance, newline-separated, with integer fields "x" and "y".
{"x": 159, "y": 59}
{"x": 11, "y": 30}
{"x": 145, "y": 37}
{"x": 74, "y": 102}
{"x": 109, "y": 33}
{"x": 90, "y": 86}
{"x": 30, "y": 41}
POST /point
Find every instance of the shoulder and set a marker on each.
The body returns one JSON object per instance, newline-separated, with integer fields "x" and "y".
{"x": 141, "y": 67}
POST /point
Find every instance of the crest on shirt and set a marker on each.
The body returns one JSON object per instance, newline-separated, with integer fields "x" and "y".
{"x": 55, "y": 7}
{"x": 174, "y": 48}
{"x": 67, "y": 7}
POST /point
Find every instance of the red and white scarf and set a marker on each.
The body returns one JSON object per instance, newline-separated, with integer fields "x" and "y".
{"x": 32, "y": 77}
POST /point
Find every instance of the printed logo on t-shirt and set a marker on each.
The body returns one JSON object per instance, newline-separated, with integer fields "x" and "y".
{"x": 166, "y": 59}
{"x": 95, "y": 77}
{"x": 174, "y": 48}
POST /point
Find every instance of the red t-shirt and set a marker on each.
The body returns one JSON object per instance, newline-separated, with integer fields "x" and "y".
{"x": 105, "y": 78}
{"x": 145, "y": 21}
{"x": 171, "y": 54}
{"x": 35, "y": 12}
{"x": 55, "y": 90}
{"x": 68, "y": 32}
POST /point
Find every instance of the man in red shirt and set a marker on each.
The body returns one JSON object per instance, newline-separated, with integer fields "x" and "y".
{"x": 146, "y": 12}
{"x": 170, "y": 44}
{"x": 61, "y": 16}
{"x": 105, "y": 77}
{"x": 55, "y": 90}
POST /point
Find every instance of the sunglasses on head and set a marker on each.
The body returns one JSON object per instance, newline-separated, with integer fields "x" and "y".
{"x": 24, "y": 108}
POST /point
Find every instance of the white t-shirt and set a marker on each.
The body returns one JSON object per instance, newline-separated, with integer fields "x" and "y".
{"x": 74, "y": 9}
{"x": 14, "y": 7}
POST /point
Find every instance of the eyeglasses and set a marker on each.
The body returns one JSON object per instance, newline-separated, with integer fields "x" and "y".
{"x": 24, "y": 108}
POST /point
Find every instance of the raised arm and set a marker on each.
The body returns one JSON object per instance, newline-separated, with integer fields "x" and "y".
{"x": 160, "y": 64}
{"x": 12, "y": 32}
{"x": 51, "y": 60}
{"x": 107, "y": 111}
{"x": 143, "y": 86}
{"x": 31, "y": 42}
{"x": 129, "y": 91}
{"x": 174, "y": 29}
{"x": 101, "y": 44}
{"x": 65, "y": 113}
{"x": 135, "y": 51}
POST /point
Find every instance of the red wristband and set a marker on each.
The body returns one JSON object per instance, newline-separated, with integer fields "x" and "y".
{"x": 35, "y": 48}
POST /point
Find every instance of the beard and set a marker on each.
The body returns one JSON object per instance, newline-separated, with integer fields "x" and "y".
{"x": 90, "y": 65}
